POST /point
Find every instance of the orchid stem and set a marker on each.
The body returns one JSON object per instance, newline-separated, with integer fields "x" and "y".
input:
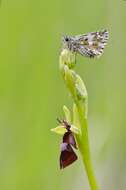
{"x": 79, "y": 95}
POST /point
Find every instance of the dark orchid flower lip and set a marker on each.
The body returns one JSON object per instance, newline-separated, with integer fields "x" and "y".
{"x": 63, "y": 146}
{"x": 67, "y": 156}
{"x": 69, "y": 139}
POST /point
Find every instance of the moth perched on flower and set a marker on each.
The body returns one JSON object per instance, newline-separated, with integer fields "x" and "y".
{"x": 90, "y": 45}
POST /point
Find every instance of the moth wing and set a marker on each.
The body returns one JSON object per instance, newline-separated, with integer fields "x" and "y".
{"x": 92, "y": 44}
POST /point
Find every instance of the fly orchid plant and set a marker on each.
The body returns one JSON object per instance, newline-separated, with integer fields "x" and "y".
{"x": 74, "y": 128}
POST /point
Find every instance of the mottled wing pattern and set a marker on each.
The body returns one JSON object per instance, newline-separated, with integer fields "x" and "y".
{"x": 92, "y": 44}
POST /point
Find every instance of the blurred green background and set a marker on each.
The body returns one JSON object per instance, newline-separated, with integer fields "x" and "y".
{"x": 32, "y": 93}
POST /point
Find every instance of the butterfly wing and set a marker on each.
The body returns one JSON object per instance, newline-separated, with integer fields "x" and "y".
{"x": 91, "y": 44}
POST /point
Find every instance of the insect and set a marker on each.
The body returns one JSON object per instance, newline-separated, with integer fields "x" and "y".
{"x": 90, "y": 45}
{"x": 67, "y": 155}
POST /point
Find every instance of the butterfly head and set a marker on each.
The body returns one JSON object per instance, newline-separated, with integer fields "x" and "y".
{"x": 66, "y": 40}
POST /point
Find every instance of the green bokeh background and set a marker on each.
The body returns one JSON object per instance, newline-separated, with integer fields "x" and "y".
{"x": 32, "y": 93}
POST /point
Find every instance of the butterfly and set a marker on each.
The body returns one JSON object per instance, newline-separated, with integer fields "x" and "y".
{"x": 67, "y": 155}
{"x": 90, "y": 45}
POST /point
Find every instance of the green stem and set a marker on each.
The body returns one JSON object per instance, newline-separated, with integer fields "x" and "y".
{"x": 80, "y": 97}
{"x": 83, "y": 143}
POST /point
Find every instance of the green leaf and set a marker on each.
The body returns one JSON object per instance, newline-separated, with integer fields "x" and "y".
{"x": 76, "y": 121}
{"x": 81, "y": 89}
{"x": 70, "y": 79}
{"x": 59, "y": 130}
{"x": 67, "y": 114}
{"x": 75, "y": 129}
